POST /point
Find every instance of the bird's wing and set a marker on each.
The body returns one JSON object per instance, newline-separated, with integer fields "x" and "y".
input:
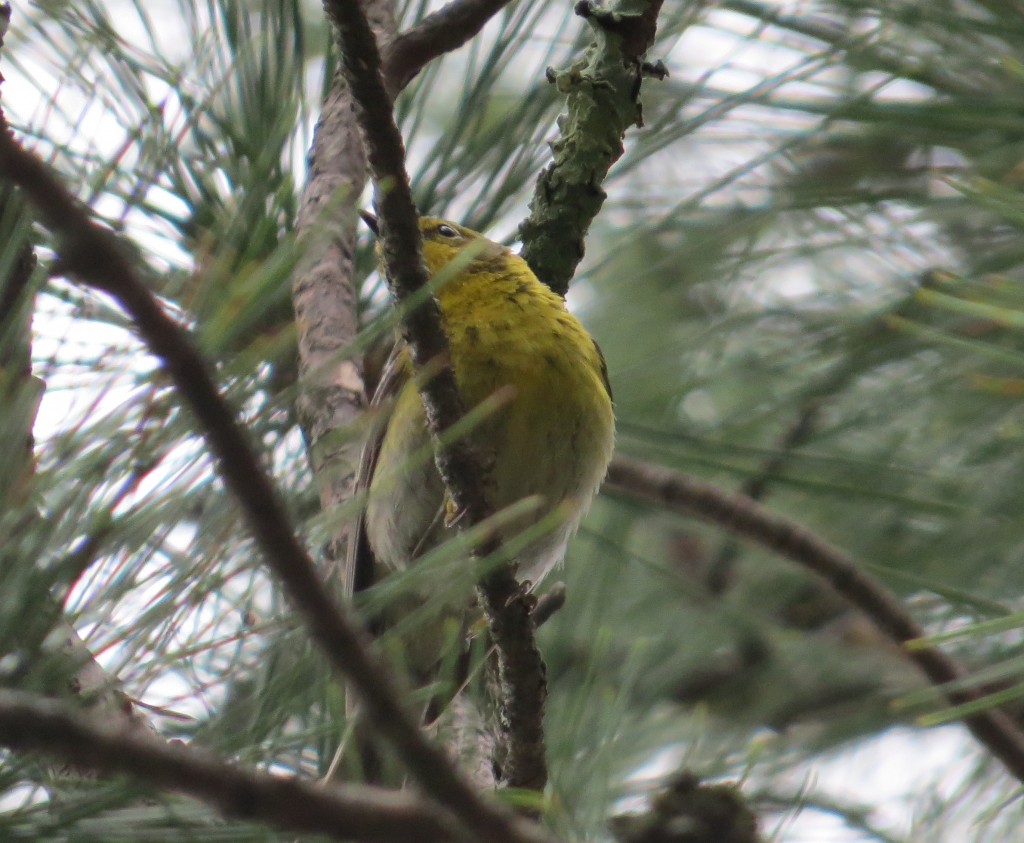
{"x": 604, "y": 371}
{"x": 359, "y": 561}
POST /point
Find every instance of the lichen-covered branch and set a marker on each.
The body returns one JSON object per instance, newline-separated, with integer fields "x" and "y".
{"x": 602, "y": 101}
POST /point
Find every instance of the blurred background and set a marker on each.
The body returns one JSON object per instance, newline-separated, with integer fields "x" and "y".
{"x": 807, "y": 280}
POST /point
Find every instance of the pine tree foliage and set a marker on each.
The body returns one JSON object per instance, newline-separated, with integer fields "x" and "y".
{"x": 808, "y": 282}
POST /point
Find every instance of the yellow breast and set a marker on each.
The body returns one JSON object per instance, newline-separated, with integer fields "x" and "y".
{"x": 548, "y": 437}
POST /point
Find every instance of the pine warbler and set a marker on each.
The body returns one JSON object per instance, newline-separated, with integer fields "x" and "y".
{"x": 549, "y": 438}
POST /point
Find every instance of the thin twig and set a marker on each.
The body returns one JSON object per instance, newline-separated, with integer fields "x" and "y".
{"x": 548, "y": 604}
{"x": 438, "y": 33}
{"x": 507, "y": 606}
{"x": 720, "y": 570}
{"x": 679, "y": 493}
{"x": 93, "y": 254}
{"x": 97, "y": 690}
{"x": 342, "y": 812}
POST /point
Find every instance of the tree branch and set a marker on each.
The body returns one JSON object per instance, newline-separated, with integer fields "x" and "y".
{"x": 93, "y": 254}
{"x": 720, "y": 570}
{"x": 685, "y": 495}
{"x": 438, "y": 33}
{"x": 36, "y": 724}
{"x": 507, "y": 606}
{"x": 331, "y": 395}
{"x": 602, "y": 102}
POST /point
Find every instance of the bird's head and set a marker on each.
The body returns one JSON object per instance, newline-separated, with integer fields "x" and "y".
{"x": 444, "y": 242}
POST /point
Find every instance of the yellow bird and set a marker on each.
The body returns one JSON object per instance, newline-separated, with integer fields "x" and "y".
{"x": 548, "y": 438}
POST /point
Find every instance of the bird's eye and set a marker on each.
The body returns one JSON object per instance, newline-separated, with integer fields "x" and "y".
{"x": 447, "y": 231}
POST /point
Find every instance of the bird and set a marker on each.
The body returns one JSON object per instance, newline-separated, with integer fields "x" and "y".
{"x": 540, "y": 382}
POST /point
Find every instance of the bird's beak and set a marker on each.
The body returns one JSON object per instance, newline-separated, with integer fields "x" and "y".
{"x": 370, "y": 220}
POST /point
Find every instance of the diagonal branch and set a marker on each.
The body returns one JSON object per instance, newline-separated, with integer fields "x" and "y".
{"x": 349, "y": 812}
{"x": 688, "y": 496}
{"x": 507, "y": 606}
{"x": 438, "y": 33}
{"x": 93, "y": 254}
